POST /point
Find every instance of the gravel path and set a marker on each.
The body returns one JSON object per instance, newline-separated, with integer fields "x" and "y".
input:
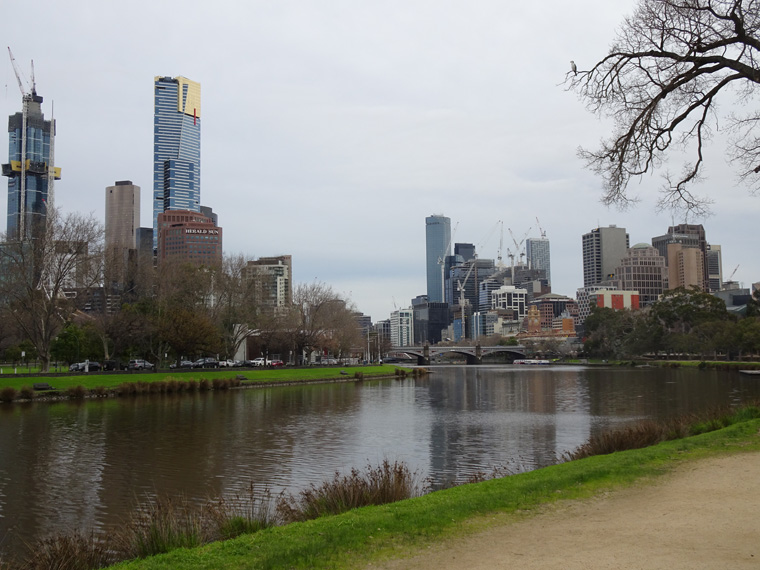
{"x": 706, "y": 514}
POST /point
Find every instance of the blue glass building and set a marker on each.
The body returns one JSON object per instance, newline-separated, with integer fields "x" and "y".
{"x": 29, "y": 169}
{"x": 437, "y": 248}
{"x": 176, "y": 147}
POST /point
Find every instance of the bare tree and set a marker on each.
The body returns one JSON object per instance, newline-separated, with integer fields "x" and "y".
{"x": 317, "y": 318}
{"x": 661, "y": 83}
{"x": 37, "y": 275}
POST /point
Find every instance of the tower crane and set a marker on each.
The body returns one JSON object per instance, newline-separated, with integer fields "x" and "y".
{"x": 733, "y": 273}
{"x": 518, "y": 245}
{"x": 540, "y": 229}
{"x": 442, "y": 262}
{"x": 460, "y": 287}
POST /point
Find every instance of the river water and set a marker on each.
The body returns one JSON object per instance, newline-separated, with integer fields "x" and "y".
{"x": 84, "y": 465}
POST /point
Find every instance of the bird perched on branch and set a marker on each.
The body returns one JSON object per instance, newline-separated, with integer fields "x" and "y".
{"x": 573, "y": 67}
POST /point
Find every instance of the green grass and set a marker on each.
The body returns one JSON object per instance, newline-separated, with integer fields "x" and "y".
{"x": 92, "y": 381}
{"x": 363, "y": 535}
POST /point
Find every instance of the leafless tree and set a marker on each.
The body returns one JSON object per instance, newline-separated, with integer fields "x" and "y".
{"x": 37, "y": 275}
{"x": 671, "y": 64}
{"x": 319, "y": 318}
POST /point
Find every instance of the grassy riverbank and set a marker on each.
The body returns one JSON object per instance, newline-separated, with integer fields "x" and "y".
{"x": 252, "y": 376}
{"x": 358, "y": 537}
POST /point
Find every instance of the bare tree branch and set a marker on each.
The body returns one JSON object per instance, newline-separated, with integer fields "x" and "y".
{"x": 661, "y": 83}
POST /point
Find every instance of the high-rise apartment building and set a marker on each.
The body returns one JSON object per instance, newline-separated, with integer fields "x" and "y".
{"x": 437, "y": 249}
{"x": 273, "y": 280}
{"x": 31, "y": 169}
{"x": 686, "y": 267}
{"x": 643, "y": 269}
{"x": 122, "y": 223}
{"x": 603, "y": 248}
{"x": 538, "y": 255}
{"x": 714, "y": 261}
{"x": 688, "y": 236}
{"x": 176, "y": 147}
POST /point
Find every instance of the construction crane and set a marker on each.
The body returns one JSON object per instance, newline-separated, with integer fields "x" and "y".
{"x": 460, "y": 287}
{"x": 732, "y": 273}
{"x": 442, "y": 262}
{"x": 518, "y": 245}
{"x": 499, "y": 262}
{"x": 541, "y": 231}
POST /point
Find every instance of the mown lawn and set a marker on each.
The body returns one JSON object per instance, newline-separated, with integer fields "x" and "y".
{"x": 111, "y": 380}
{"x": 356, "y": 538}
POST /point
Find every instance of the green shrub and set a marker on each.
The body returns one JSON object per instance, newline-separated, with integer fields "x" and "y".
{"x": 8, "y": 394}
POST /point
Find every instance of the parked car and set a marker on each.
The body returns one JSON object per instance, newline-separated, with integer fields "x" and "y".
{"x": 110, "y": 365}
{"x": 261, "y": 361}
{"x": 182, "y": 364}
{"x": 138, "y": 364}
{"x": 207, "y": 362}
{"x": 226, "y": 363}
{"x": 277, "y": 363}
{"x": 87, "y": 365}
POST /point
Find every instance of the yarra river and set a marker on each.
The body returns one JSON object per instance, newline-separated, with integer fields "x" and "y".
{"x": 84, "y": 465}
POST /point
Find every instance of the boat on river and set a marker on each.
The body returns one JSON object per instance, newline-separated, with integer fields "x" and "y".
{"x": 531, "y": 361}
{"x": 752, "y": 372}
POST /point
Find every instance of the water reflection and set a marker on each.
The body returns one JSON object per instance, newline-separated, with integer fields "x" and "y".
{"x": 83, "y": 465}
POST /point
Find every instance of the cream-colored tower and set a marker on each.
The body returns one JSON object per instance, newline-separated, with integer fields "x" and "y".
{"x": 122, "y": 222}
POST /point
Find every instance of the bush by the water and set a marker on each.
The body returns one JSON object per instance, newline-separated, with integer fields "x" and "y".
{"x": 386, "y": 483}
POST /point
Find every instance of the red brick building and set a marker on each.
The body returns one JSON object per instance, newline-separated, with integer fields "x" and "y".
{"x": 189, "y": 236}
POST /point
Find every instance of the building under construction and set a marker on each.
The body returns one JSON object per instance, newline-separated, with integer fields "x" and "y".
{"x": 30, "y": 168}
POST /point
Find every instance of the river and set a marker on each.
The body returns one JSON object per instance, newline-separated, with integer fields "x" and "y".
{"x": 84, "y": 465}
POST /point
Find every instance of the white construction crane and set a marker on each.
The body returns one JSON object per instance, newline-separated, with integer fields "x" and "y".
{"x": 442, "y": 262}
{"x": 540, "y": 229}
{"x": 518, "y": 245}
{"x": 460, "y": 288}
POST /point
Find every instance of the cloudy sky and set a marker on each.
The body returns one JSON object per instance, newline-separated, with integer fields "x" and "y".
{"x": 331, "y": 129}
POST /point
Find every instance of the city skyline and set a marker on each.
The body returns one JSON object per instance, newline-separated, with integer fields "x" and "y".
{"x": 339, "y": 137}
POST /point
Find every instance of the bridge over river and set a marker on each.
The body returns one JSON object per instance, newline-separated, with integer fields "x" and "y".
{"x": 474, "y": 354}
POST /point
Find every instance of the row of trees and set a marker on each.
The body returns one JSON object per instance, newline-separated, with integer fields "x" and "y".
{"x": 54, "y": 298}
{"x": 684, "y": 322}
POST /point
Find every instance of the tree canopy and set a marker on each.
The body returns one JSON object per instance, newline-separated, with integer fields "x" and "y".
{"x": 671, "y": 64}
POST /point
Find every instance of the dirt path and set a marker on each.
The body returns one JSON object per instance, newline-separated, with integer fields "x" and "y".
{"x": 706, "y": 514}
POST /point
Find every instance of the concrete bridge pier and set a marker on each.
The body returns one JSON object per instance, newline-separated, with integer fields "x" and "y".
{"x": 424, "y": 360}
{"x": 477, "y": 358}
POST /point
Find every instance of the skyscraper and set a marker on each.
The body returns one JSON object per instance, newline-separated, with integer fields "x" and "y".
{"x": 176, "y": 147}
{"x": 603, "y": 248}
{"x": 122, "y": 222}
{"x": 437, "y": 248}
{"x": 537, "y": 252}
{"x": 30, "y": 169}
{"x": 643, "y": 269}
{"x": 688, "y": 236}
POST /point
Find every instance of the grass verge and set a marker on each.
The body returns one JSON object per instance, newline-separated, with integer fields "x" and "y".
{"x": 356, "y": 538}
{"x": 111, "y": 381}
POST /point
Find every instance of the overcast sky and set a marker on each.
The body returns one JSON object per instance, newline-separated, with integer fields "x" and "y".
{"x": 331, "y": 129}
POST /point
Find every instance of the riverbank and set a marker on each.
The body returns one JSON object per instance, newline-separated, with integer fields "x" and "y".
{"x": 114, "y": 384}
{"x": 374, "y": 535}
{"x": 701, "y": 515}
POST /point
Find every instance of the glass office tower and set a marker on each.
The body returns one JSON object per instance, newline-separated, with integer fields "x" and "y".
{"x": 30, "y": 169}
{"x": 176, "y": 147}
{"x": 437, "y": 248}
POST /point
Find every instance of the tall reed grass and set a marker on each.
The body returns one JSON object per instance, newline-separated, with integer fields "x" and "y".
{"x": 386, "y": 483}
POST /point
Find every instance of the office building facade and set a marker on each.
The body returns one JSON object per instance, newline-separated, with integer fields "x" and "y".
{"x": 603, "y": 248}
{"x": 687, "y": 236}
{"x": 122, "y": 223}
{"x": 643, "y": 270}
{"x": 437, "y": 249}
{"x": 176, "y": 147}
{"x": 538, "y": 255}
{"x": 30, "y": 169}
{"x": 189, "y": 236}
{"x": 714, "y": 260}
